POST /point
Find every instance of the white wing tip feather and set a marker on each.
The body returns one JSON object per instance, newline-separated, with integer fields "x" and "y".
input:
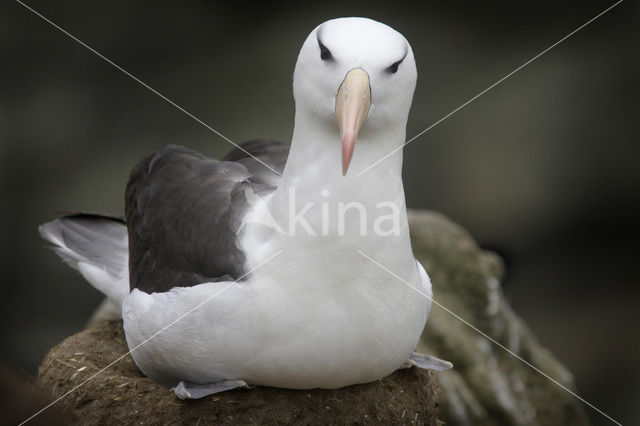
{"x": 116, "y": 287}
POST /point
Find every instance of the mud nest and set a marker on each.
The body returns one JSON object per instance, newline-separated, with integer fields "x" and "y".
{"x": 121, "y": 394}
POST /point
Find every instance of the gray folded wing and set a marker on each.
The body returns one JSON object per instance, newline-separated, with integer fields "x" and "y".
{"x": 183, "y": 211}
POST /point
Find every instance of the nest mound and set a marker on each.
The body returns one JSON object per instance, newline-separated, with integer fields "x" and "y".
{"x": 121, "y": 394}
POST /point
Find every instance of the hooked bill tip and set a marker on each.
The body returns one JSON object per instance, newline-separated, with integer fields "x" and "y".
{"x": 348, "y": 145}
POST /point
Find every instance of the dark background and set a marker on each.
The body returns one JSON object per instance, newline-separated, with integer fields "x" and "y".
{"x": 542, "y": 169}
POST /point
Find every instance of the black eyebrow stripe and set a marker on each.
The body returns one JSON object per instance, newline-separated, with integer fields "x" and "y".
{"x": 318, "y": 34}
{"x": 406, "y": 52}
{"x": 399, "y": 61}
{"x": 322, "y": 45}
{"x": 396, "y": 64}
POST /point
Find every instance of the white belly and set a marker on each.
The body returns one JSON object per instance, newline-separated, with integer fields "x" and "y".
{"x": 295, "y": 336}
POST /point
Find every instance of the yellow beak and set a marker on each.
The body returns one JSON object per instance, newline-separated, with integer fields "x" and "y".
{"x": 352, "y": 107}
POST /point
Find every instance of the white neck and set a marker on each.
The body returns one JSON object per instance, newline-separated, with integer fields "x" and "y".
{"x": 333, "y": 208}
{"x": 316, "y": 151}
{"x": 313, "y": 177}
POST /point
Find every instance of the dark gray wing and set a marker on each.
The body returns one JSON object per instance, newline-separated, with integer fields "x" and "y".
{"x": 183, "y": 211}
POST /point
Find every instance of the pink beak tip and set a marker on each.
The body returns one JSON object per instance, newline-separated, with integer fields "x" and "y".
{"x": 348, "y": 145}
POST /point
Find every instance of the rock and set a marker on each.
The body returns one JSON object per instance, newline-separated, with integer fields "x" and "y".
{"x": 488, "y": 385}
{"x": 122, "y": 395}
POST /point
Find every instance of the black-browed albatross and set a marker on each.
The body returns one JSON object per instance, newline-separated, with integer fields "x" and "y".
{"x": 307, "y": 309}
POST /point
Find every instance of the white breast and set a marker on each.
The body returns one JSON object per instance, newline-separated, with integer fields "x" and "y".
{"x": 301, "y": 336}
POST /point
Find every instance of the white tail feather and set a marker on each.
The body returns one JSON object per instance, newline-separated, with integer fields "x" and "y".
{"x": 95, "y": 246}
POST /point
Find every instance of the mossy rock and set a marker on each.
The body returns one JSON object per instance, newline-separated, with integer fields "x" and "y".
{"x": 488, "y": 385}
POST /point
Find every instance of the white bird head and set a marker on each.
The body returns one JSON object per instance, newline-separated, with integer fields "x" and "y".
{"x": 353, "y": 74}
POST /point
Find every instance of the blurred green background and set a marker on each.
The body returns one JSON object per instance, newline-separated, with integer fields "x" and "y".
{"x": 543, "y": 168}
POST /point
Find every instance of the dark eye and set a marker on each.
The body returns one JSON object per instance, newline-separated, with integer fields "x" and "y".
{"x": 325, "y": 54}
{"x": 393, "y": 68}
